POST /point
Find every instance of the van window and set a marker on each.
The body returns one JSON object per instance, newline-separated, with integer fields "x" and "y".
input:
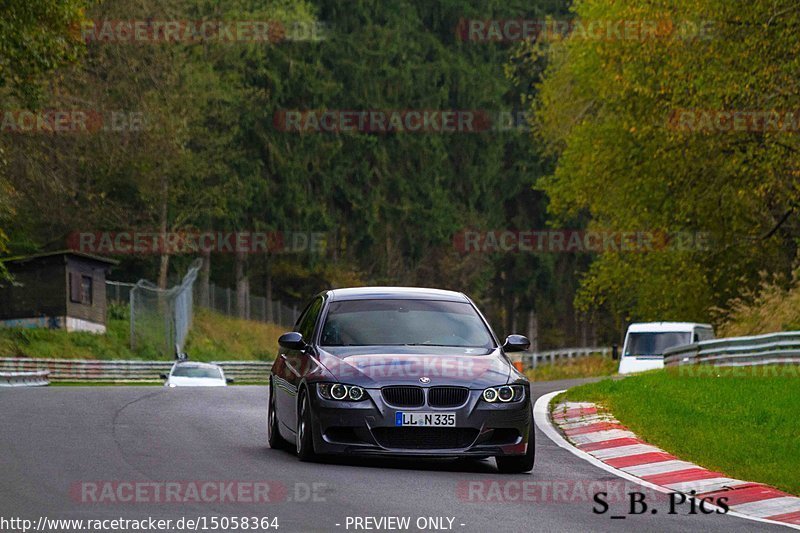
{"x": 655, "y": 343}
{"x": 704, "y": 334}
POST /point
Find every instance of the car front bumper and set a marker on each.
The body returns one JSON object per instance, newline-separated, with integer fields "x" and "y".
{"x": 368, "y": 428}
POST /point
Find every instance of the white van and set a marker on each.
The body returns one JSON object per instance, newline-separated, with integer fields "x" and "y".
{"x": 645, "y": 343}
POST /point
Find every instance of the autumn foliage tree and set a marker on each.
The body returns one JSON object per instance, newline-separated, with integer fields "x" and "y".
{"x": 634, "y": 120}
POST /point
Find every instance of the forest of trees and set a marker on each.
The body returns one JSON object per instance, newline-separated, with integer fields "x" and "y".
{"x": 632, "y": 125}
{"x": 208, "y": 152}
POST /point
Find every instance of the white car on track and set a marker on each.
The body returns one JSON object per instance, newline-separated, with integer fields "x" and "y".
{"x": 192, "y": 374}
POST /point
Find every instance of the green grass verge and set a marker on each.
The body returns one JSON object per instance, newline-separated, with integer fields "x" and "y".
{"x": 580, "y": 367}
{"x": 213, "y": 337}
{"x": 216, "y": 337}
{"x": 743, "y": 426}
{"x": 60, "y": 344}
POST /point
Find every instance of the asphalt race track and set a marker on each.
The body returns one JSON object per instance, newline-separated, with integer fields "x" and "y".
{"x": 60, "y": 447}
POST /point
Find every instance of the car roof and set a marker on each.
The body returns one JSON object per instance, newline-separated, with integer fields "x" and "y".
{"x": 657, "y": 327}
{"x": 196, "y": 364}
{"x": 389, "y": 293}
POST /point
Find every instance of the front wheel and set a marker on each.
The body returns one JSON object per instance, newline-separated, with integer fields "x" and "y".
{"x": 305, "y": 438}
{"x": 276, "y": 442}
{"x": 519, "y": 464}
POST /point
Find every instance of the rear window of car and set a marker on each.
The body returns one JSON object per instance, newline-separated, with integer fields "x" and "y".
{"x": 196, "y": 372}
{"x": 395, "y": 322}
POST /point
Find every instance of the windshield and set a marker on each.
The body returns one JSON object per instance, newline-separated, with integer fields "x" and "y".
{"x": 404, "y": 323}
{"x": 655, "y": 343}
{"x": 196, "y": 372}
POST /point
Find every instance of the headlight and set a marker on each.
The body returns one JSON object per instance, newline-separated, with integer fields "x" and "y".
{"x": 504, "y": 394}
{"x": 355, "y": 393}
{"x": 337, "y": 391}
{"x": 490, "y": 395}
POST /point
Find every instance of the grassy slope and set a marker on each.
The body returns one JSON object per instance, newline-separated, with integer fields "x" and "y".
{"x": 745, "y": 427}
{"x": 213, "y": 337}
{"x": 46, "y": 343}
{"x": 580, "y": 367}
{"x": 773, "y": 308}
{"x": 218, "y": 337}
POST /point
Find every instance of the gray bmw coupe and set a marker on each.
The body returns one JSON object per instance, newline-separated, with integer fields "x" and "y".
{"x": 399, "y": 371}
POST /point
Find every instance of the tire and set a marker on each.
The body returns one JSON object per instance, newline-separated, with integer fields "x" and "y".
{"x": 519, "y": 464}
{"x": 274, "y": 439}
{"x": 305, "y": 437}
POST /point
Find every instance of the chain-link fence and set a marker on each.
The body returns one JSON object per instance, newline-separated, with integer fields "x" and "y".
{"x": 118, "y": 293}
{"x": 160, "y": 319}
{"x": 224, "y": 300}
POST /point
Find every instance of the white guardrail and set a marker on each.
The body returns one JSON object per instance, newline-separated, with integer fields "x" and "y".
{"x": 89, "y": 370}
{"x": 533, "y": 359}
{"x": 770, "y": 349}
{"x": 24, "y": 379}
{"x": 122, "y": 370}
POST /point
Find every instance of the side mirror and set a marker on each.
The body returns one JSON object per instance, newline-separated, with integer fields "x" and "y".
{"x": 292, "y": 341}
{"x": 516, "y": 343}
{"x": 164, "y": 376}
{"x": 229, "y": 380}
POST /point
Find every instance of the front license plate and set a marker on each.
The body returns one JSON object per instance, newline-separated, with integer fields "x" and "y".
{"x": 424, "y": 419}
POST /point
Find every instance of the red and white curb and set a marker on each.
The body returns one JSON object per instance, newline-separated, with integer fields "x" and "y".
{"x": 595, "y": 435}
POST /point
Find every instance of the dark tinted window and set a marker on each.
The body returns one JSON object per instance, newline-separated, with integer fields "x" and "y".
{"x": 655, "y": 343}
{"x": 309, "y": 318}
{"x": 80, "y": 288}
{"x": 196, "y": 372}
{"x": 404, "y": 322}
{"x": 704, "y": 334}
{"x": 302, "y": 316}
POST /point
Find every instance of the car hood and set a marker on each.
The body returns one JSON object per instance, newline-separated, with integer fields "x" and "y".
{"x": 195, "y": 382}
{"x": 378, "y": 366}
